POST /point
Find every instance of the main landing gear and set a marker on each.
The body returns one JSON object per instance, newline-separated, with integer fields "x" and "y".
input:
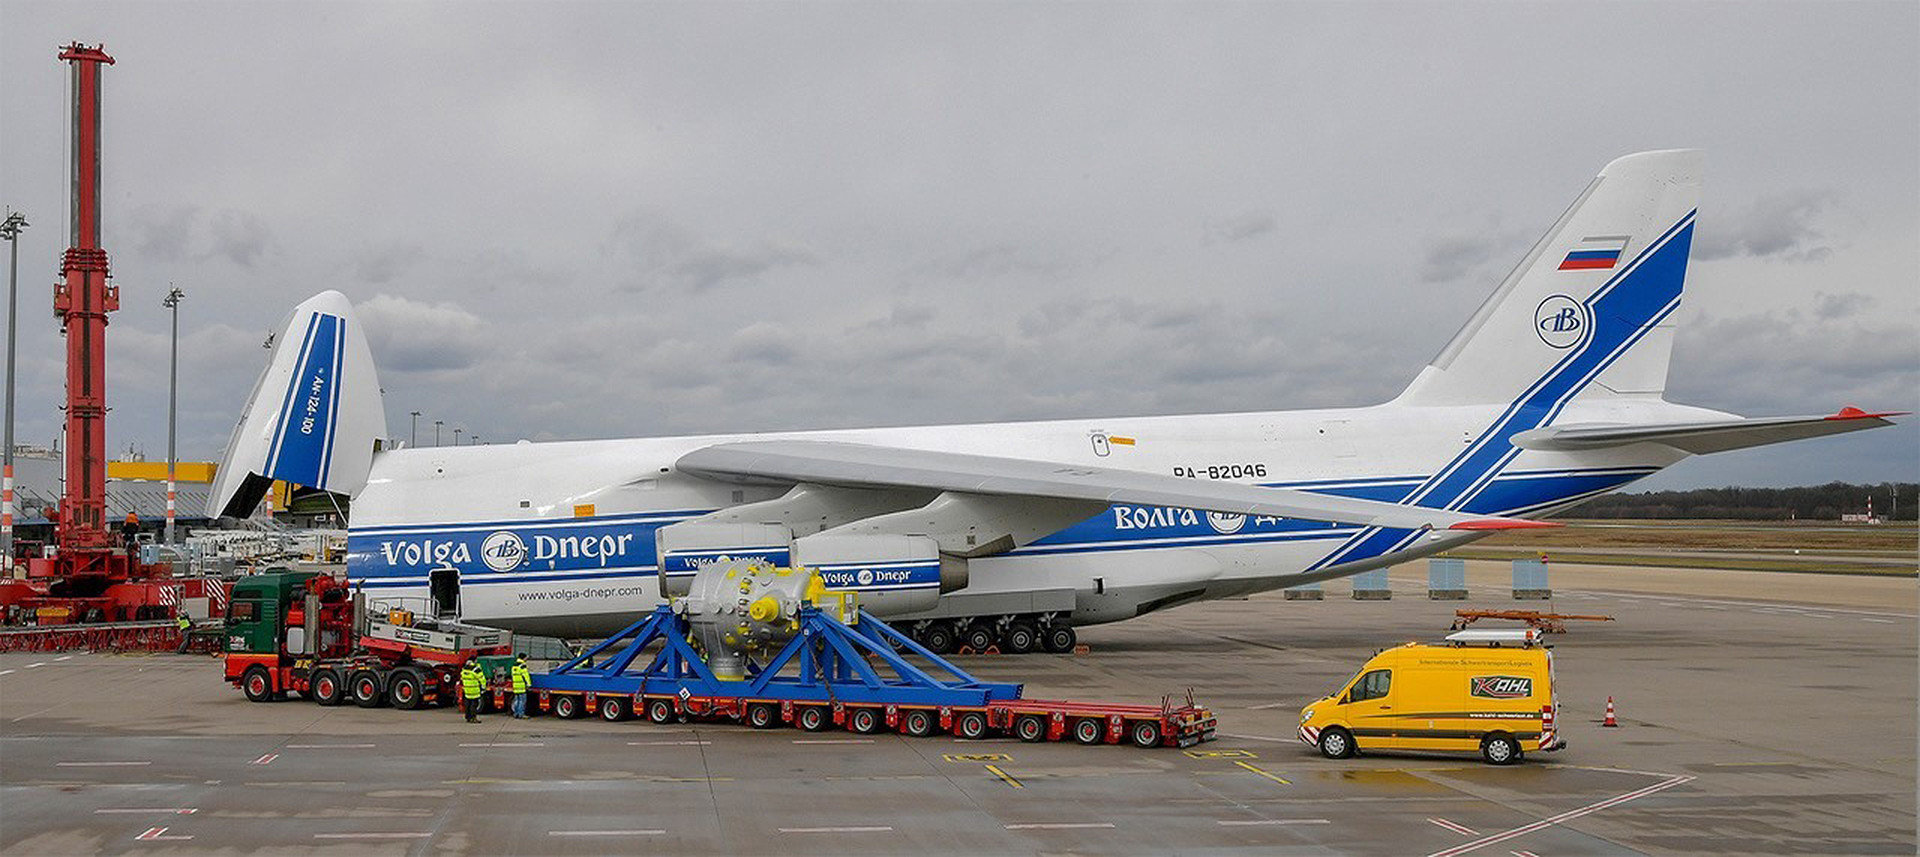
{"x": 1011, "y": 634}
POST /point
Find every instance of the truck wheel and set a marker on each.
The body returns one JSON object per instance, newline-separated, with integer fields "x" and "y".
{"x": 257, "y": 684}
{"x": 1336, "y": 743}
{"x": 1020, "y": 638}
{"x": 762, "y": 716}
{"x": 1088, "y": 730}
{"x": 327, "y": 689}
{"x": 979, "y": 637}
{"x": 660, "y": 711}
{"x": 917, "y": 722}
{"x": 864, "y": 721}
{"x": 971, "y": 725}
{"x": 613, "y": 708}
{"x": 566, "y": 706}
{"x": 940, "y": 638}
{"x": 812, "y": 718}
{"x": 1500, "y": 749}
{"x": 405, "y": 689}
{"x": 1031, "y": 728}
{"x": 366, "y": 690}
{"x": 1060, "y": 639}
{"x": 1146, "y": 733}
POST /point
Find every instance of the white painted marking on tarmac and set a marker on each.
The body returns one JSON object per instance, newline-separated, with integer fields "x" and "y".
{"x": 1866, "y": 619}
{"x": 835, "y": 829}
{"x": 154, "y": 833}
{"x": 40, "y": 664}
{"x": 100, "y": 764}
{"x": 1569, "y": 815}
{"x": 668, "y": 743}
{"x": 265, "y": 759}
{"x": 64, "y": 658}
{"x": 1523, "y": 854}
{"x": 833, "y": 740}
{"x": 1461, "y": 829}
{"x": 509, "y": 744}
{"x": 1241, "y": 822}
{"x": 328, "y": 746}
{"x": 6, "y": 672}
{"x": 1259, "y": 738}
{"x": 1063, "y": 825}
{"x": 176, "y": 810}
{"x": 605, "y": 832}
{"x": 371, "y": 835}
{"x": 1267, "y": 706}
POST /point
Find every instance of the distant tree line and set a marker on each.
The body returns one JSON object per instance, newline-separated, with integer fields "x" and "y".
{"x": 1892, "y": 501}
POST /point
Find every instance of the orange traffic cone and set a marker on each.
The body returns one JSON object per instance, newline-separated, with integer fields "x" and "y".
{"x": 1609, "y": 721}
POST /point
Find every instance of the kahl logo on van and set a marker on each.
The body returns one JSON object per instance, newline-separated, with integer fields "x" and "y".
{"x": 1502, "y": 686}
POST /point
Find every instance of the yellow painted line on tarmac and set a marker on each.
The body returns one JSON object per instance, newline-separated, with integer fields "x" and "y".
{"x": 1219, "y": 754}
{"x": 976, "y": 757}
{"x": 1265, "y": 773}
{"x": 1005, "y": 777}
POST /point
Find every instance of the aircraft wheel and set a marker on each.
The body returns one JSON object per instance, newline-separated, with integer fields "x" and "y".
{"x": 257, "y": 684}
{"x": 1060, "y": 639}
{"x": 979, "y": 637}
{"x": 327, "y": 689}
{"x": 918, "y": 722}
{"x": 1088, "y": 730}
{"x": 1019, "y": 638}
{"x": 940, "y": 639}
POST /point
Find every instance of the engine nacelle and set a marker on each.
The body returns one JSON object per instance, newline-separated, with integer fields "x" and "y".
{"x": 892, "y": 574}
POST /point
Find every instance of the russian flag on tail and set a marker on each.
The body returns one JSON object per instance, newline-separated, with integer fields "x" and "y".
{"x": 1595, "y": 253}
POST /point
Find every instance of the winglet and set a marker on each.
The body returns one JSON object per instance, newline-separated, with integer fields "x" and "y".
{"x": 1504, "y": 524}
{"x": 1852, "y": 413}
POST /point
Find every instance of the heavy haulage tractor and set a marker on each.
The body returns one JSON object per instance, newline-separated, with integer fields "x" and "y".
{"x": 305, "y": 633}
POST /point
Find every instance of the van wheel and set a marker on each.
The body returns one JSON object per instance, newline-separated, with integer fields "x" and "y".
{"x": 1500, "y": 749}
{"x": 1336, "y": 743}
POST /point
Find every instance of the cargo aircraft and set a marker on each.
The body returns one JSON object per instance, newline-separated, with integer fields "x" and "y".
{"x": 1012, "y": 534}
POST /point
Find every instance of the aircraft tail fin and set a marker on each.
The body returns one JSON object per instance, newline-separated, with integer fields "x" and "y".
{"x": 1588, "y": 310}
{"x": 314, "y": 415}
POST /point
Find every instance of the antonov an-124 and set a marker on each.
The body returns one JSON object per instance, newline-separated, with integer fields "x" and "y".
{"x": 1015, "y": 533}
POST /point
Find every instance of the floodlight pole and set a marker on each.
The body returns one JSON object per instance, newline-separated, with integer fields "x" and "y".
{"x": 172, "y": 302}
{"x": 413, "y": 434}
{"x": 436, "y": 432}
{"x": 456, "y": 436}
{"x": 11, "y": 231}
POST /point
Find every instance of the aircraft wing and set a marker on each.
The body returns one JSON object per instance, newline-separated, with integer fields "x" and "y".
{"x": 1706, "y": 436}
{"x": 862, "y": 465}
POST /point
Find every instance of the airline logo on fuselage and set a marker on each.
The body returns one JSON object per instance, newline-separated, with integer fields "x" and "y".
{"x": 508, "y": 550}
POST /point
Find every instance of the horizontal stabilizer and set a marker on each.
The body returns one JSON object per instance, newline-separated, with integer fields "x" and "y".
{"x": 1705, "y": 436}
{"x": 853, "y": 464}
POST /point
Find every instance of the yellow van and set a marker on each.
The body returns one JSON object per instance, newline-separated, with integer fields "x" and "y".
{"x": 1485, "y": 691}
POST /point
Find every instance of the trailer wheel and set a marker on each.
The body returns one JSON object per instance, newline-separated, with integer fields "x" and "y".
{"x": 1500, "y": 749}
{"x": 812, "y": 718}
{"x": 939, "y": 638}
{"x": 1020, "y": 638}
{"x": 917, "y": 722}
{"x": 1060, "y": 639}
{"x": 864, "y": 721}
{"x": 1336, "y": 743}
{"x": 660, "y": 711}
{"x": 257, "y": 684}
{"x": 971, "y": 725}
{"x": 980, "y": 637}
{"x": 566, "y": 706}
{"x": 1089, "y": 730}
{"x": 405, "y": 689}
{"x": 364, "y": 687}
{"x": 614, "y": 708}
{"x": 1146, "y": 733}
{"x": 327, "y": 689}
{"x": 1031, "y": 728}
{"x": 762, "y": 716}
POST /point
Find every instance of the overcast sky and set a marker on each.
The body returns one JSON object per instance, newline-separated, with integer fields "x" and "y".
{"x": 575, "y": 220}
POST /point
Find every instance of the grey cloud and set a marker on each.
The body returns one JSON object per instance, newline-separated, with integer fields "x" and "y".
{"x": 1828, "y": 307}
{"x": 1252, "y": 224}
{"x": 1450, "y": 259}
{"x": 163, "y": 232}
{"x": 239, "y": 237}
{"x": 1784, "y": 225}
{"x": 994, "y": 261}
{"x": 671, "y": 258}
{"x": 412, "y": 336}
{"x": 379, "y": 265}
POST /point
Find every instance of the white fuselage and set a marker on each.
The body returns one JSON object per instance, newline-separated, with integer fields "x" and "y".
{"x": 584, "y": 511}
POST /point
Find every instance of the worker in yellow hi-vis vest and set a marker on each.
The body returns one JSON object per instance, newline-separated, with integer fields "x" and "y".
{"x": 521, "y": 679}
{"x": 472, "y": 684}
